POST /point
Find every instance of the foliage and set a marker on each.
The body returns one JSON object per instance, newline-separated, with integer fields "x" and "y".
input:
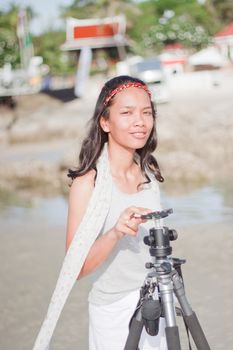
{"x": 170, "y": 21}
{"x": 101, "y": 8}
{"x": 9, "y": 42}
{"x": 222, "y": 10}
{"x": 9, "y": 47}
{"x": 48, "y": 46}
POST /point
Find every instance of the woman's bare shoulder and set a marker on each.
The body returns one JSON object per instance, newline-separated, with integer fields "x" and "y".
{"x": 84, "y": 183}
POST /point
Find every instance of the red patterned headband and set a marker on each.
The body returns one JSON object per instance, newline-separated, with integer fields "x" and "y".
{"x": 125, "y": 86}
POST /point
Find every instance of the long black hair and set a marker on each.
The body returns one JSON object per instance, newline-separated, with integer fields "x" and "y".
{"x": 93, "y": 143}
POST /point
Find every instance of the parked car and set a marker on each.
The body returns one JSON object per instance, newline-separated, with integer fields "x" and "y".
{"x": 150, "y": 70}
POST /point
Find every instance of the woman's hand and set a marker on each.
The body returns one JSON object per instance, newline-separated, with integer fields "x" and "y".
{"x": 129, "y": 220}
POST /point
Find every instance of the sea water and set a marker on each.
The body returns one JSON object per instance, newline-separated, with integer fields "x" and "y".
{"x": 207, "y": 205}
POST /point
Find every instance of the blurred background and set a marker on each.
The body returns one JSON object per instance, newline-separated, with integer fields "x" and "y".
{"x": 54, "y": 58}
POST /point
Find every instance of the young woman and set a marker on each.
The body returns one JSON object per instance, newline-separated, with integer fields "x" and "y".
{"x": 123, "y": 126}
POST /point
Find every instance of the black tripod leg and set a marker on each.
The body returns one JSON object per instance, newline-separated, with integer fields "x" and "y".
{"x": 172, "y": 337}
{"x": 190, "y": 316}
{"x": 197, "y": 332}
{"x": 135, "y": 331}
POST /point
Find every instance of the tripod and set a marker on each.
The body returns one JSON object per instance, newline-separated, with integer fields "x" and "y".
{"x": 167, "y": 279}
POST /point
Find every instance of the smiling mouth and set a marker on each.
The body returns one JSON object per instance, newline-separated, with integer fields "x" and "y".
{"x": 139, "y": 134}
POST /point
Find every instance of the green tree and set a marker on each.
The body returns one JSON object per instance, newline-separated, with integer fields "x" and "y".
{"x": 82, "y": 9}
{"x": 9, "y": 46}
{"x": 9, "y": 42}
{"x": 169, "y": 21}
{"x": 223, "y": 10}
{"x": 48, "y": 45}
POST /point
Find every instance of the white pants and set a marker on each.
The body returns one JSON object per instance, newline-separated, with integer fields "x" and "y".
{"x": 109, "y": 326}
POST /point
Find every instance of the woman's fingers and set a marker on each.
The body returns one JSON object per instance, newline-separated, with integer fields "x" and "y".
{"x": 130, "y": 219}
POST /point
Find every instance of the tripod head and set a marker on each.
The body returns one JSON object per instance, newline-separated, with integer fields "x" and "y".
{"x": 159, "y": 236}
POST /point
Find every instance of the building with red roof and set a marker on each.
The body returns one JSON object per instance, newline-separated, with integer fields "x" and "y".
{"x": 224, "y": 41}
{"x": 174, "y": 58}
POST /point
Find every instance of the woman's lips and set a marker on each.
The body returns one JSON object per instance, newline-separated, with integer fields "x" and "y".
{"x": 139, "y": 134}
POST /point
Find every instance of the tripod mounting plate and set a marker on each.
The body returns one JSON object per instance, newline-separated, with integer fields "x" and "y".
{"x": 157, "y": 214}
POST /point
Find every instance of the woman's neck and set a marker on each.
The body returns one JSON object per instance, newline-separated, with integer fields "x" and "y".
{"x": 121, "y": 159}
{"x": 125, "y": 172}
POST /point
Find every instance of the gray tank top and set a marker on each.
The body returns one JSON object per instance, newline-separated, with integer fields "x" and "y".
{"x": 124, "y": 270}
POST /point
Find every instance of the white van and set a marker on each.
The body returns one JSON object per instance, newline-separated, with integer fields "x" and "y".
{"x": 150, "y": 70}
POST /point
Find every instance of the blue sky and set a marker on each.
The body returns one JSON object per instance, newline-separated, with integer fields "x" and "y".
{"x": 47, "y": 12}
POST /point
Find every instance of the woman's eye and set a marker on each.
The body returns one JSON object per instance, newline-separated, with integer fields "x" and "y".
{"x": 125, "y": 112}
{"x": 148, "y": 112}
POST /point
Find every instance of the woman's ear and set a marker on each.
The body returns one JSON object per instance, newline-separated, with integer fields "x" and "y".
{"x": 104, "y": 124}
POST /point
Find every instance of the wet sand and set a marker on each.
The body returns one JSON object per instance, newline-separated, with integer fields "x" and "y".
{"x": 31, "y": 256}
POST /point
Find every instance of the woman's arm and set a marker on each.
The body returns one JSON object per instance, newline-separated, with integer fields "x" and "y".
{"x": 79, "y": 196}
{"x": 80, "y": 193}
{"x": 127, "y": 223}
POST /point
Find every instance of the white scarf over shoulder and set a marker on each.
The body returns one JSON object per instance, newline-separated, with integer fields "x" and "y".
{"x": 84, "y": 237}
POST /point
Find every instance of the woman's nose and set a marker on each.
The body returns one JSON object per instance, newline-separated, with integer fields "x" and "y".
{"x": 139, "y": 120}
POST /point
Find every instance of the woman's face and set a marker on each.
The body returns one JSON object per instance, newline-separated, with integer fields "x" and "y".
{"x": 130, "y": 118}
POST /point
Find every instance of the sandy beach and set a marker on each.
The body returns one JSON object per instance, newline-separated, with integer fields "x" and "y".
{"x": 31, "y": 256}
{"x": 195, "y": 149}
